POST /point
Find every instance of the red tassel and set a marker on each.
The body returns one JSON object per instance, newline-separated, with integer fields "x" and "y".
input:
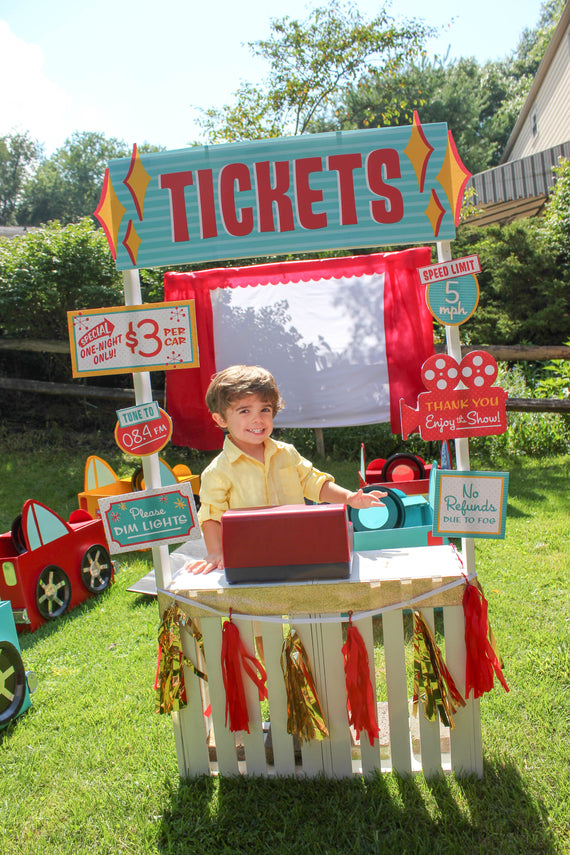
{"x": 360, "y": 701}
{"x": 234, "y": 656}
{"x": 483, "y": 658}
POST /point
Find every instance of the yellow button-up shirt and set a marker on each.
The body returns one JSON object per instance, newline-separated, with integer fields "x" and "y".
{"x": 236, "y": 480}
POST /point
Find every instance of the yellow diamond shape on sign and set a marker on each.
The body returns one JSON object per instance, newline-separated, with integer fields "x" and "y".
{"x": 110, "y": 212}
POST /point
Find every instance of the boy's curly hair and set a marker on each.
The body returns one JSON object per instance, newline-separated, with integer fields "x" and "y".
{"x": 237, "y": 381}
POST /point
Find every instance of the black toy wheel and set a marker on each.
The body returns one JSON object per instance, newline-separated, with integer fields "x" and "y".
{"x": 96, "y": 569}
{"x": 137, "y": 479}
{"x": 12, "y": 682}
{"x": 53, "y": 592}
{"x": 17, "y": 535}
{"x": 410, "y": 462}
{"x": 378, "y": 518}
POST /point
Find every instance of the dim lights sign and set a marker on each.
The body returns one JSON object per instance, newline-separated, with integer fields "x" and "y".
{"x": 398, "y": 185}
{"x": 140, "y": 520}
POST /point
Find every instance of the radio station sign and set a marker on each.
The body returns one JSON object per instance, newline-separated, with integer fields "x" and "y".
{"x": 149, "y": 518}
{"x": 143, "y": 430}
{"x": 470, "y": 504}
{"x": 121, "y": 339}
{"x": 373, "y": 187}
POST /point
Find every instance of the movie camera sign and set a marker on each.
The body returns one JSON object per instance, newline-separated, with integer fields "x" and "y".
{"x": 150, "y": 517}
{"x": 121, "y": 339}
{"x": 470, "y": 504}
{"x": 445, "y": 412}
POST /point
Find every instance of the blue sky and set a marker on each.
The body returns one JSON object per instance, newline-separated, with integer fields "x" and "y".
{"x": 140, "y": 70}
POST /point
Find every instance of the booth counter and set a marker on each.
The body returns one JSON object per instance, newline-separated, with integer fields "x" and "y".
{"x": 386, "y": 584}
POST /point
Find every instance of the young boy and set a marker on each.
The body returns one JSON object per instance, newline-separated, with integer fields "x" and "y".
{"x": 254, "y": 470}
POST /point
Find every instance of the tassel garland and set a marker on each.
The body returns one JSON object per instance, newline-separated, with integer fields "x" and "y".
{"x": 169, "y": 682}
{"x": 305, "y": 717}
{"x": 234, "y": 658}
{"x": 360, "y": 701}
{"x": 483, "y": 657}
{"x": 433, "y": 684}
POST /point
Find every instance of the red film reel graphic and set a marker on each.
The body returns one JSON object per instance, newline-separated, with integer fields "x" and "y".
{"x": 440, "y": 373}
{"x": 478, "y": 370}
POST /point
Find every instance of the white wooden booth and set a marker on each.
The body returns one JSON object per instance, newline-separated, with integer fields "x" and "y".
{"x": 385, "y": 584}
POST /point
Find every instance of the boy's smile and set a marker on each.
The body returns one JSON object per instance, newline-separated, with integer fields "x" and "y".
{"x": 249, "y": 421}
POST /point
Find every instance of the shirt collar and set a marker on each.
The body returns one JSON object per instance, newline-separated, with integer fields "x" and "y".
{"x": 233, "y": 453}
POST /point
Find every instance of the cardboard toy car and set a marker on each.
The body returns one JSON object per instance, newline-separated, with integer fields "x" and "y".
{"x": 14, "y": 688}
{"x": 48, "y": 566}
{"x": 100, "y": 481}
{"x": 403, "y": 471}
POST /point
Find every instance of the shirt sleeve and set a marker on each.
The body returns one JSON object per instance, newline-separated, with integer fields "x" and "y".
{"x": 312, "y": 479}
{"x": 214, "y": 495}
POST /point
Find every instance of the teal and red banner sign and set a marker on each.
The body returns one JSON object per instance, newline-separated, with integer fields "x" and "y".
{"x": 375, "y": 187}
{"x": 148, "y": 518}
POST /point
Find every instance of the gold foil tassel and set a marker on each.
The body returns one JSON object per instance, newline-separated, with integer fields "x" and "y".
{"x": 433, "y": 684}
{"x": 305, "y": 717}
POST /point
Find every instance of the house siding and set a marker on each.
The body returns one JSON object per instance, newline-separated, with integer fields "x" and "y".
{"x": 550, "y": 105}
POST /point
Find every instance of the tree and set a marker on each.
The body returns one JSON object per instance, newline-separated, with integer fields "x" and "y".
{"x": 17, "y": 154}
{"x": 556, "y": 220}
{"x": 67, "y": 186}
{"x": 524, "y": 291}
{"x": 479, "y": 103}
{"x": 467, "y": 96}
{"x": 309, "y": 61}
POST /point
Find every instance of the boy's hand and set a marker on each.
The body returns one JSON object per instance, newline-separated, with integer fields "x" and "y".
{"x": 211, "y": 562}
{"x": 360, "y": 499}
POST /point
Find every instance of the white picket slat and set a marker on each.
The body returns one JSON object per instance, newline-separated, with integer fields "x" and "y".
{"x": 396, "y": 684}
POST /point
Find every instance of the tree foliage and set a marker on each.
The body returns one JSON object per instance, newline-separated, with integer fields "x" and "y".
{"x": 67, "y": 186}
{"x": 308, "y": 62}
{"x": 556, "y": 221}
{"x": 53, "y": 270}
{"x": 524, "y": 292}
{"x": 479, "y": 103}
{"x": 18, "y": 152}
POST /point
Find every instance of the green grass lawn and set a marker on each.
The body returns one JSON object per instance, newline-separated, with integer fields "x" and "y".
{"x": 90, "y": 768}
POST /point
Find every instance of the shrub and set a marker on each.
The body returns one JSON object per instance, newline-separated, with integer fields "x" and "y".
{"x": 524, "y": 292}
{"x": 50, "y": 271}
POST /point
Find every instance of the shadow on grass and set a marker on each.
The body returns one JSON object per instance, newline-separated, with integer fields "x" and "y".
{"x": 380, "y": 814}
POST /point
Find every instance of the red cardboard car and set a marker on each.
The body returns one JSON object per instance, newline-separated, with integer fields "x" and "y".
{"x": 48, "y": 566}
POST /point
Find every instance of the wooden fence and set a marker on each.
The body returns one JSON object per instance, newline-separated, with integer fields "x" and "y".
{"x": 80, "y": 389}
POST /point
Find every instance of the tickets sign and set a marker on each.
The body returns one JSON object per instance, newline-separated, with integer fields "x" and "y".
{"x": 305, "y": 193}
{"x": 122, "y": 339}
{"x": 148, "y": 518}
{"x": 470, "y": 504}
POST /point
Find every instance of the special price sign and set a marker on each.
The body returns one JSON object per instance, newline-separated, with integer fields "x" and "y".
{"x": 143, "y": 430}
{"x": 470, "y": 504}
{"x": 121, "y": 339}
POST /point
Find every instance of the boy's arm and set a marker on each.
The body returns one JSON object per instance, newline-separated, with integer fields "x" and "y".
{"x": 334, "y": 494}
{"x": 212, "y": 532}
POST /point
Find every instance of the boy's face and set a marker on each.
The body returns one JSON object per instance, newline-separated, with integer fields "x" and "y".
{"x": 248, "y": 420}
